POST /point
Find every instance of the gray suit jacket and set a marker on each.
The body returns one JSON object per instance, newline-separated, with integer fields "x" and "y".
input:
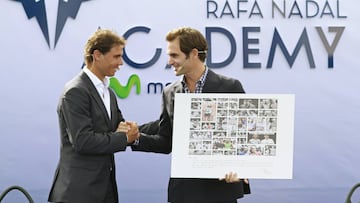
{"x": 190, "y": 190}
{"x": 88, "y": 144}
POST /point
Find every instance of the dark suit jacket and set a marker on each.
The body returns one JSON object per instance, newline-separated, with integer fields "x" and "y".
{"x": 88, "y": 144}
{"x": 191, "y": 190}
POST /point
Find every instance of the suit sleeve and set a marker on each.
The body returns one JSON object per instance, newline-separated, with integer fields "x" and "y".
{"x": 85, "y": 126}
{"x": 150, "y": 128}
{"x": 239, "y": 86}
{"x": 156, "y": 136}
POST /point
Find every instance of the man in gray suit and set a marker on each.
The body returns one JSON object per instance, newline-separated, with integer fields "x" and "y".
{"x": 187, "y": 49}
{"x": 89, "y": 120}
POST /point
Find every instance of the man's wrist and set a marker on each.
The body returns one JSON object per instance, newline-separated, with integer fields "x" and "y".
{"x": 127, "y": 138}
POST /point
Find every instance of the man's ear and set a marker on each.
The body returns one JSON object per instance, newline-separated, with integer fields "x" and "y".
{"x": 97, "y": 55}
{"x": 194, "y": 52}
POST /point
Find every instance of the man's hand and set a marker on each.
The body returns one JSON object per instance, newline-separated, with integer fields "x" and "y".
{"x": 131, "y": 129}
{"x": 123, "y": 127}
{"x": 232, "y": 178}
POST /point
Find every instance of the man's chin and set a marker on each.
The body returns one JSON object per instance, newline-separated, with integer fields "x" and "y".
{"x": 178, "y": 73}
{"x": 113, "y": 73}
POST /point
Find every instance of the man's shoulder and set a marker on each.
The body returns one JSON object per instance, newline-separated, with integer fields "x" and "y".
{"x": 174, "y": 86}
{"x": 224, "y": 83}
{"x": 77, "y": 82}
{"x": 222, "y": 77}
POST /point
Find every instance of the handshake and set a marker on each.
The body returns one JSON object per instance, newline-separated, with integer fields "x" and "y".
{"x": 131, "y": 130}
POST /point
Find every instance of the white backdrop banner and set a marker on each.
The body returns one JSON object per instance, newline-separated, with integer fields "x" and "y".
{"x": 308, "y": 48}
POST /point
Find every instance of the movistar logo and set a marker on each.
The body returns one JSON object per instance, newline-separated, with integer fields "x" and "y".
{"x": 124, "y": 91}
{"x": 66, "y": 8}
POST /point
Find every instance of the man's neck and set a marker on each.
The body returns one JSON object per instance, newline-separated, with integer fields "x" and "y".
{"x": 94, "y": 70}
{"x": 193, "y": 77}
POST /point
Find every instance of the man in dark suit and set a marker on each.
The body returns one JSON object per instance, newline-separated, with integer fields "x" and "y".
{"x": 89, "y": 120}
{"x": 187, "y": 49}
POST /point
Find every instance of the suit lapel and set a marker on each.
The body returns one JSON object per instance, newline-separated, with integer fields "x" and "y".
{"x": 177, "y": 88}
{"x": 95, "y": 95}
{"x": 113, "y": 108}
{"x": 211, "y": 83}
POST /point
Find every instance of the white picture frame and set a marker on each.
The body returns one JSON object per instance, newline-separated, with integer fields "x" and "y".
{"x": 250, "y": 134}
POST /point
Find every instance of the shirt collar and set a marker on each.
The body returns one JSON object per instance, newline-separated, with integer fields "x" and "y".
{"x": 202, "y": 79}
{"x": 94, "y": 79}
{"x": 200, "y": 82}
